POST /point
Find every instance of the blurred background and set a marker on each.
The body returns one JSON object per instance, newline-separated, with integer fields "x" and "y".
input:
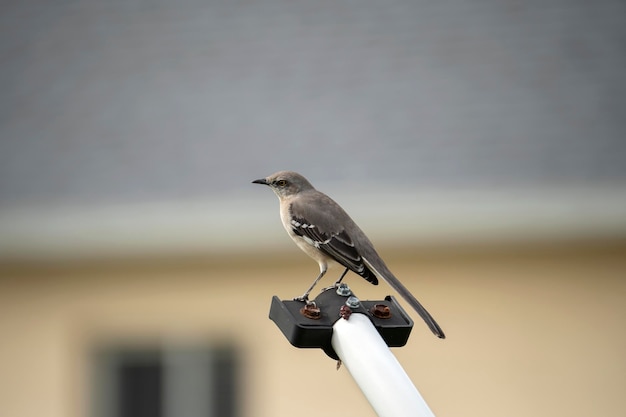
{"x": 481, "y": 145}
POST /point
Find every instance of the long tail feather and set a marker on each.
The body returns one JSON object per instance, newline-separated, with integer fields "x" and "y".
{"x": 406, "y": 294}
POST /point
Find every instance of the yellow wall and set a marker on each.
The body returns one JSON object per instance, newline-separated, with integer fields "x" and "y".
{"x": 531, "y": 331}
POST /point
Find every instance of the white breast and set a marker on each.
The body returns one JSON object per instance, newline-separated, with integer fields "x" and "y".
{"x": 305, "y": 244}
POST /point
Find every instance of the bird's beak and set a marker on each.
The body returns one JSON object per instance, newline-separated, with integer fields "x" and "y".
{"x": 260, "y": 181}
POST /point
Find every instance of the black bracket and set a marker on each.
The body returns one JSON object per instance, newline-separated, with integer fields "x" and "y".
{"x": 313, "y": 327}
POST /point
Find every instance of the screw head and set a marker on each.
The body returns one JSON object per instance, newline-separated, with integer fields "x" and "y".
{"x": 344, "y": 312}
{"x": 344, "y": 290}
{"x": 381, "y": 311}
{"x": 311, "y": 311}
{"x": 353, "y": 302}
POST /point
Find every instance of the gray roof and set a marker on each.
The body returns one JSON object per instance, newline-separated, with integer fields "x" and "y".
{"x": 152, "y": 102}
{"x": 134, "y": 100}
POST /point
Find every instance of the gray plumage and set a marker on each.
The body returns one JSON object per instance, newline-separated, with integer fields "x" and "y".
{"x": 325, "y": 232}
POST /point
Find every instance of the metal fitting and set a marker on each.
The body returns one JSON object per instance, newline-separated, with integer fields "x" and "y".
{"x": 380, "y": 311}
{"x": 343, "y": 290}
{"x": 344, "y": 312}
{"x": 311, "y": 311}
{"x": 353, "y": 302}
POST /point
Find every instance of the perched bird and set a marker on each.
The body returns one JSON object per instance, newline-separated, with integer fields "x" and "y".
{"x": 325, "y": 232}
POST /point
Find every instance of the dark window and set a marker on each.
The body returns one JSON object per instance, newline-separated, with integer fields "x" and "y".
{"x": 177, "y": 382}
{"x": 140, "y": 385}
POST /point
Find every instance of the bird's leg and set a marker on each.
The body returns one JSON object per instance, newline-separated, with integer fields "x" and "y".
{"x": 341, "y": 277}
{"x": 336, "y": 284}
{"x": 305, "y": 297}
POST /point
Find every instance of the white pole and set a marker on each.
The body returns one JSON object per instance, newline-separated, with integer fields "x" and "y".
{"x": 376, "y": 371}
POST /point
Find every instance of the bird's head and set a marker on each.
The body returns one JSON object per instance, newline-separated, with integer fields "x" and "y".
{"x": 286, "y": 183}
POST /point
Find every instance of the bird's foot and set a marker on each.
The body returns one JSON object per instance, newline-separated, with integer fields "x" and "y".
{"x": 340, "y": 288}
{"x": 332, "y": 287}
{"x": 304, "y": 298}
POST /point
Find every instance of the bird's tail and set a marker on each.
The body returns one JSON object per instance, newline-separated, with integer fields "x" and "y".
{"x": 406, "y": 294}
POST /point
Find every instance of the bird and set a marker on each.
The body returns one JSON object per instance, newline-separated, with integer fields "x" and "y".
{"x": 322, "y": 229}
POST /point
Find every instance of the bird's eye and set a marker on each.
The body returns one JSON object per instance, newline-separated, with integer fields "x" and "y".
{"x": 281, "y": 183}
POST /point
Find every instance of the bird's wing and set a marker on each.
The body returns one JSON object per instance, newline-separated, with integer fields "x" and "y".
{"x": 322, "y": 223}
{"x": 320, "y": 229}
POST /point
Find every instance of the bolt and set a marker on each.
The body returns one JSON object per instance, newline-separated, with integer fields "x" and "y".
{"x": 343, "y": 290}
{"x": 311, "y": 311}
{"x": 344, "y": 312}
{"x": 353, "y": 302}
{"x": 381, "y": 311}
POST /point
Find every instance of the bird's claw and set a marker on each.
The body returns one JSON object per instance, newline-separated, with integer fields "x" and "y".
{"x": 304, "y": 299}
{"x": 331, "y": 287}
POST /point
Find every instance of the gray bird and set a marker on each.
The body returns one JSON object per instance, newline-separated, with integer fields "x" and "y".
{"x": 325, "y": 232}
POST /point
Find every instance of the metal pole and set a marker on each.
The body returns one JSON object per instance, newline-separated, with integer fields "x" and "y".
{"x": 376, "y": 371}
